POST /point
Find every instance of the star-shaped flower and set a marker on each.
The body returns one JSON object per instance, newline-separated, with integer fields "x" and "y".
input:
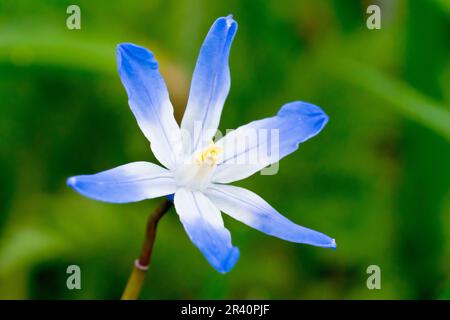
{"x": 197, "y": 169}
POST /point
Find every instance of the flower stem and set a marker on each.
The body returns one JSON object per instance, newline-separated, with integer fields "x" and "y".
{"x": 136, "y": 280}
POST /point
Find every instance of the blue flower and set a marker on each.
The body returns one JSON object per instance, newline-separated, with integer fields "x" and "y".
{"x": 196, "y": 169}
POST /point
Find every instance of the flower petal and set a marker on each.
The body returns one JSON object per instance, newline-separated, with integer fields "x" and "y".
{"x": 210, "y": 84}
{"x": 260, "y": 143}
{"x": 149, "y": 100}
{"x": 251, "y": 209}
{"x": 131, "y": 182}
{"x": 204, "y": 226}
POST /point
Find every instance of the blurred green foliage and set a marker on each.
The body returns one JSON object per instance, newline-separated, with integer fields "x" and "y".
{"x": 377, "y": 178}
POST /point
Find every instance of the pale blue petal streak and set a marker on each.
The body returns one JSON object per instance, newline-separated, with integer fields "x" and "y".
{"x": 251, "y": 209}
{"x": 204, "y": 226}
{"x": 131, "y": 182}
{"x": 149, "y": 100}
{"x": 260, "y": 143}
{"x": 210, "y": 84}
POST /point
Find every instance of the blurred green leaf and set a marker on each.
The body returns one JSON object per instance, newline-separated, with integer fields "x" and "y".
{"x": 24, "y": 47}
{"x": 396, "y": 94}
{"x": 444, "y": 4}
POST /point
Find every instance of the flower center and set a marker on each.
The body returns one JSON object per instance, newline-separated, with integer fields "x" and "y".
{"x": 196, "y": 174}
{"x": 209, "y": 156}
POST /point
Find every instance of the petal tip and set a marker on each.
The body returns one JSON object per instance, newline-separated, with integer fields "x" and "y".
{"x": 71, "y": 182}
{"x": 324, "y": 119}
{"x": 307, "y": 113}
{"x": 230, "y": 23}
{"x": 132, "y": 51}
{"x": 230, "y": 261}
{"x": 333, "y": 244}
{"x": 229, "y": 19}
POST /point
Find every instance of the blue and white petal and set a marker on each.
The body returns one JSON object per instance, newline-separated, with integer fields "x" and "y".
{"x": 251, "y": 209}
{"x": 149, "y": 101}
{"x": 252, "y": 147}
{"x": 210, "y": 85}
{"x": 131, "y": 182}
{"x": 204, "y": 226}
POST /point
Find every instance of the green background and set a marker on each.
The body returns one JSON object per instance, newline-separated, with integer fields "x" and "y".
{"x": 376, "y": 179}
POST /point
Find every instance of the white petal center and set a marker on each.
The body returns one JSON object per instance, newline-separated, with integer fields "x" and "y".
{"x": 195, "y": 173}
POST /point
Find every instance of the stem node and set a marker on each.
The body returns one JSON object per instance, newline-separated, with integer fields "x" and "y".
{"x": 137, "y": 277}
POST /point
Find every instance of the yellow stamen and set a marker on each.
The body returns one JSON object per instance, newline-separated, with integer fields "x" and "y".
{"x": 209, "y": 155}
